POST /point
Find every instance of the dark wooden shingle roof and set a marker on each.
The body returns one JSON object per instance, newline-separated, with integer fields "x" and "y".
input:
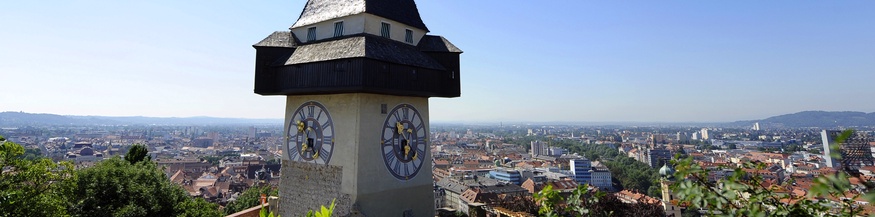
{"x": 363, "y": 45}
{"x": 402, "y": 11}
{"x": 434, "y": 43}
{"x": 278, "y": 39}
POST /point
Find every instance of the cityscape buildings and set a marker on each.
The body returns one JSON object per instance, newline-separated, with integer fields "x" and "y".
{"x": 855, "y": 151}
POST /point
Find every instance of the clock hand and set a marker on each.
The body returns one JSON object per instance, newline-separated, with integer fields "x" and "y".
{"x": 300, "y": 126}
{"x": 399, "y": 127}
{"x": 304, "y": 145}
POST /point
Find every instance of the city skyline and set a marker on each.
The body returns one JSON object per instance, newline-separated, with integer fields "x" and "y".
{"x": 579, "y": 61}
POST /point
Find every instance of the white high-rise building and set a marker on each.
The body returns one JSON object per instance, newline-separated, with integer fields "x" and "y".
{"x": 705, "y": 134}
{"x": 756, "y": 126}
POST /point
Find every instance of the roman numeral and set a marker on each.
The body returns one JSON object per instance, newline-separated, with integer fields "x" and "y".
{"x": 420, "y": 154}
{"x": 397, "y": 116}
{"x": 388, "y": 142}
{"x": 390, "y": 156}
{"x": 324, "y": 154}
{"x": 420, "y": 127}
{"x": 406, "y": 112}
{"x": 301, "y": 115}
{"x": 293, "y": 154}
{"x": 311, "y": 111}
{"x": 327, "y": 125}
{"x": 414, "y": 116}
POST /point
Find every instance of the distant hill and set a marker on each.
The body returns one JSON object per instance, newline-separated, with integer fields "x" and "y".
{"x": 18, "y": 119}
{"x": 821, "y": 119}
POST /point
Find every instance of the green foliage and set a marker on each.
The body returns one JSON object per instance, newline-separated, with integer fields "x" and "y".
{"x": 213, "y": 160}
{"x": 113, "y": 187}
{"x": 119, "y": 188}
{"x": 249, "y": 198}
{"x": 586, "y": 202}
{"x": 549, "y": 200}
{"x": 323, "y": 212}
{"x": 635, "y": 175}
{"x": 731, "y": 146}
{"x": 631, "y": 174}
{"x": 27, "y": 185}
{"x": 198, "y": 208}
{"x": 742, "y": 194}
{"x": 137, "y": 153}
{"x": 265, "y": 213}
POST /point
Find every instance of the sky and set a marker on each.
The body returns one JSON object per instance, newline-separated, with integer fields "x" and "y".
{"x": 541, "y": 61}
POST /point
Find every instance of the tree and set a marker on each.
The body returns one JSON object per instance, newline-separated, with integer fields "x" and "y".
{"x": 113, "y": 187}
{"x": 137, "y": 153}
{"x": 198, "y": 208}
{"x": 27, "y": 185}
{"x": 118, "y": 188}
{"x": 213, "y": 160}
{"x": 249, "y": 198}
{"x": 586, "y": 202}
{"x": 742, "y": 194}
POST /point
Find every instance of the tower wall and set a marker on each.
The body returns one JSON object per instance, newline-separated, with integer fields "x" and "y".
{"x": 365, "y": 182}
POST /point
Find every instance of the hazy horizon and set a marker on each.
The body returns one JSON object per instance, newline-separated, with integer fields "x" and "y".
{"x": 640, "y": 61}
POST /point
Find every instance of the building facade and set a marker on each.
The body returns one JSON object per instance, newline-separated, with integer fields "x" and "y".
{"x": 855, "y": 150}
{"x": 582, "y": 170}
{"x": 658, "y": 157}
{"x": 601, "y": 177}
{"x": 506, "y": 176}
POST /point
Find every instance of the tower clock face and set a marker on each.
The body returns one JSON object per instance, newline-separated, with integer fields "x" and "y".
{"x": 311, "y": 134}
{"x": 404, "y": 142}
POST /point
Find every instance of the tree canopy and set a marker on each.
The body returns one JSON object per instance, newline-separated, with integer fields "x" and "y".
{"x": 137, "y": 153}
{"x": 27, "y": 185}
{"x": 113, "y": 187}
{"x": 249, "y": 198}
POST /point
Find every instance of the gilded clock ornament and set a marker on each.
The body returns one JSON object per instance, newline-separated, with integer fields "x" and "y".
{"x": 404, "y": 142}
{"x": 311, "y": 134}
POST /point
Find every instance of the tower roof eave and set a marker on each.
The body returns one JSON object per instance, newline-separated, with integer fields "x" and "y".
{"x": 366, "y": 46}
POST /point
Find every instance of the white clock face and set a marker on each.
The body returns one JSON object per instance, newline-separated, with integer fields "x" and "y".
{"x": 404, "y": 142}
{"x": 311, "y": 134}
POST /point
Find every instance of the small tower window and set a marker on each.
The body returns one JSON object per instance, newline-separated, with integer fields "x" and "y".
{"x": 338, "y": 29}
{"x": 385, "y": 30}
{"x": 408, "y": 36}
{"x": 311, "y": 34}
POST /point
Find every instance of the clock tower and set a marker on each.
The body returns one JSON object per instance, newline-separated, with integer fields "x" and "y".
{"x": 357, "y": 75}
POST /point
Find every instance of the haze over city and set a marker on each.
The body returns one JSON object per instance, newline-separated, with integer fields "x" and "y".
{"x": 525, "y": 60}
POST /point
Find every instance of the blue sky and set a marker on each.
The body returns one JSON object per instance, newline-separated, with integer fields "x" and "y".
{"x": 524, "y": 60}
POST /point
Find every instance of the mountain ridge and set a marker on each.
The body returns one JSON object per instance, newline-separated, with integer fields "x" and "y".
{"x": 16, "y": 119}
{"x": 819, "y": 119}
